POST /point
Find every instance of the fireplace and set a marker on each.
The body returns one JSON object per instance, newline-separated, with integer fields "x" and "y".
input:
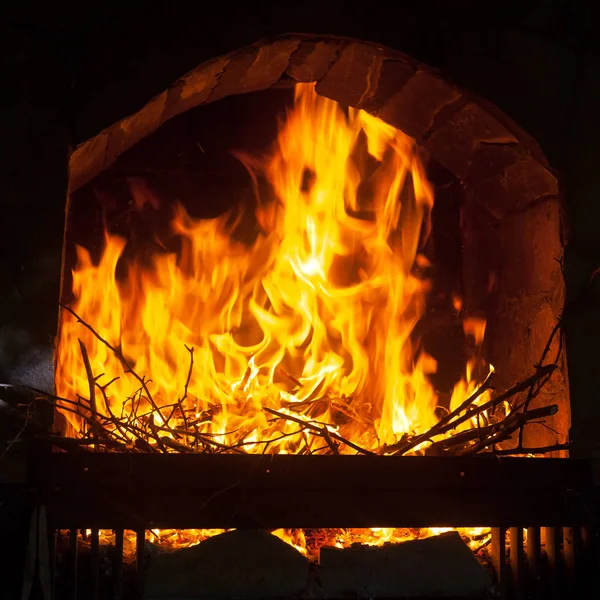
{"x": 493, "y": 255}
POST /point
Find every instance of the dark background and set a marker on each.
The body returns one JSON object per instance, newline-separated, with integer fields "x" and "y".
{"x": 71, "y": 70}
{"x": 68, "y": 71}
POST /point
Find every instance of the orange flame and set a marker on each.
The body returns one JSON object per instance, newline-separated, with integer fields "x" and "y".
{"x": 306, "y": 306}
{"x": 308, "y": 311}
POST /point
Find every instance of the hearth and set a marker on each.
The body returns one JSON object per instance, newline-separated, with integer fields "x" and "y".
{"x": 350, "y": 318}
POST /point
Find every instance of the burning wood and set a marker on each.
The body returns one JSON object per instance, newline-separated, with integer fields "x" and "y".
{"x": 309, "y": 309}
{"x": 158, "y": 430}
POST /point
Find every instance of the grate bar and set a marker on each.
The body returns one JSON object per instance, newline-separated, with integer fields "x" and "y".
{"x": 140, "y": 536}
{"x": 533, "y": 547}
{"x": 516, "y": 561}
{"x": 118, "y": 564}
{"x": 95, "y": 563}
{"x": 72, "y": 565}
{"x": 499, "y": 556}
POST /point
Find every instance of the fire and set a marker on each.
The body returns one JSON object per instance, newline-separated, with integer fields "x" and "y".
{"x": 303, "y": 304}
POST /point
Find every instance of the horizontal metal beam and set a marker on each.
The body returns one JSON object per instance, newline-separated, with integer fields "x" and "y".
{"x": 185, "y": 491}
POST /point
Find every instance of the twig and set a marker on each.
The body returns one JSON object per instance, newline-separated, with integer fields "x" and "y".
{"x": 291, "y": 378}
{"x": 446, "y": 446}
{"x": 507, "y": 427}
{"x": 90, "y": 376}
{"x": 540, "y": 450}
{"x": 442, "y": 424}
{"x": 179, "y": 402}
{"x": 319, "y": 430}
{"x": 513, "y": 391}
{"x": 116, "y": 352}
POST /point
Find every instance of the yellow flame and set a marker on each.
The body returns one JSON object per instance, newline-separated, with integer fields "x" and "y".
{"x": 305, "y": 304}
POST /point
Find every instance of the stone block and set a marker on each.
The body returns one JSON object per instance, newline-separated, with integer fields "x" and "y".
{"x": 236, "y": 564}
{"x": 522, "y": 184}
{"x": 87, "y": 160}
{"x": 415, "y": 106}
{"x": 312, "y": 60}
{"x": 270, "y": 64}
{"x": 439, "y": 566}
{"x": 195, "y": 87}
{"x": 482, "y": 258}
{"x": 124, "y": 134}
{"x": 454, "y": 142}
{"x": 234, "y": 72}
{"x": 531, "y": 250}
{"x": 393, "y": 76}
{"x": 517, "y": 335}
{"x": 354, "y": 76}
{"x": 491, "y": 160}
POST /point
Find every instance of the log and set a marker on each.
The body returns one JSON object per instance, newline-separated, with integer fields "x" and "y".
{"x": 236, "y": 564}
{"x": 439, "y": 566}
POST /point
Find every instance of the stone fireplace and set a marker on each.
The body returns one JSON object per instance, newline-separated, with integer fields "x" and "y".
{"x": 497, "y": 242}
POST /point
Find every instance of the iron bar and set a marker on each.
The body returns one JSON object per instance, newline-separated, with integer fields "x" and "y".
{"x": 552, "y": 546}
{"x": 140, "y": 542}
{"x": 95, "y": 563}
{"x": 72, "y": 565}
{"x": 118, "y": 564}
{"x": 516, "y": 561}
{"x": 499, "y": 557}
{"x": 533, "y": 560}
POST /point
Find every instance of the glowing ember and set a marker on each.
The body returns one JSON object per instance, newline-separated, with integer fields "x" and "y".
{"x": 307, "y": 542}
{"x": 306, "y": 306}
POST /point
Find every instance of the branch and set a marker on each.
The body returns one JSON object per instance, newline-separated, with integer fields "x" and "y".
{"x": 116, "y": 352}
{"x": 507, "y": 427}
{"x": 540, "y": 450}
{"x": 442, "y": 424}
{"x": 320, "y": 431}
{"x": 90, "y": 376}
{"x": 494, "y": 402}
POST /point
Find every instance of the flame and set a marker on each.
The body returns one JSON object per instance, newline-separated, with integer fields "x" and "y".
{"x": 311, "y": 313}
{"x": 304, "y": 303}
{"x": 307, "y": 542}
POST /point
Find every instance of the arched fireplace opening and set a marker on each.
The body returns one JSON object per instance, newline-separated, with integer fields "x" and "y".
{"x": 497, "y": 233}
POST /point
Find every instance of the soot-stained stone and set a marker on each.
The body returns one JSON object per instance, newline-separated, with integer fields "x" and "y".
{"x": 531, "y": 250}
{"x": 233, "y": 74}
{"x": 195, "y": 87}
{"x": 509, "y": 341}
{"x": 392, "y": 77}
{"x": 521, "y": 184}
{"x": 88, "y": 160}
{"x": 492, "y": 160}
{"x": 311, "y": 61}
{"x": 454, "y": 143}
{"x": 415, "y": 106}
{"x": 236, "y": 564}
{"x": 482, "y": 258}
{"x": 524, "y": 138}
{"x": 129, "y": 131}
{"x": 517, "y": 336}
{"x": 433, "y": 567}
{"x": 354, "y": 76}
{"x": 527, "y": 181}
{"x": 270, "y": 64}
